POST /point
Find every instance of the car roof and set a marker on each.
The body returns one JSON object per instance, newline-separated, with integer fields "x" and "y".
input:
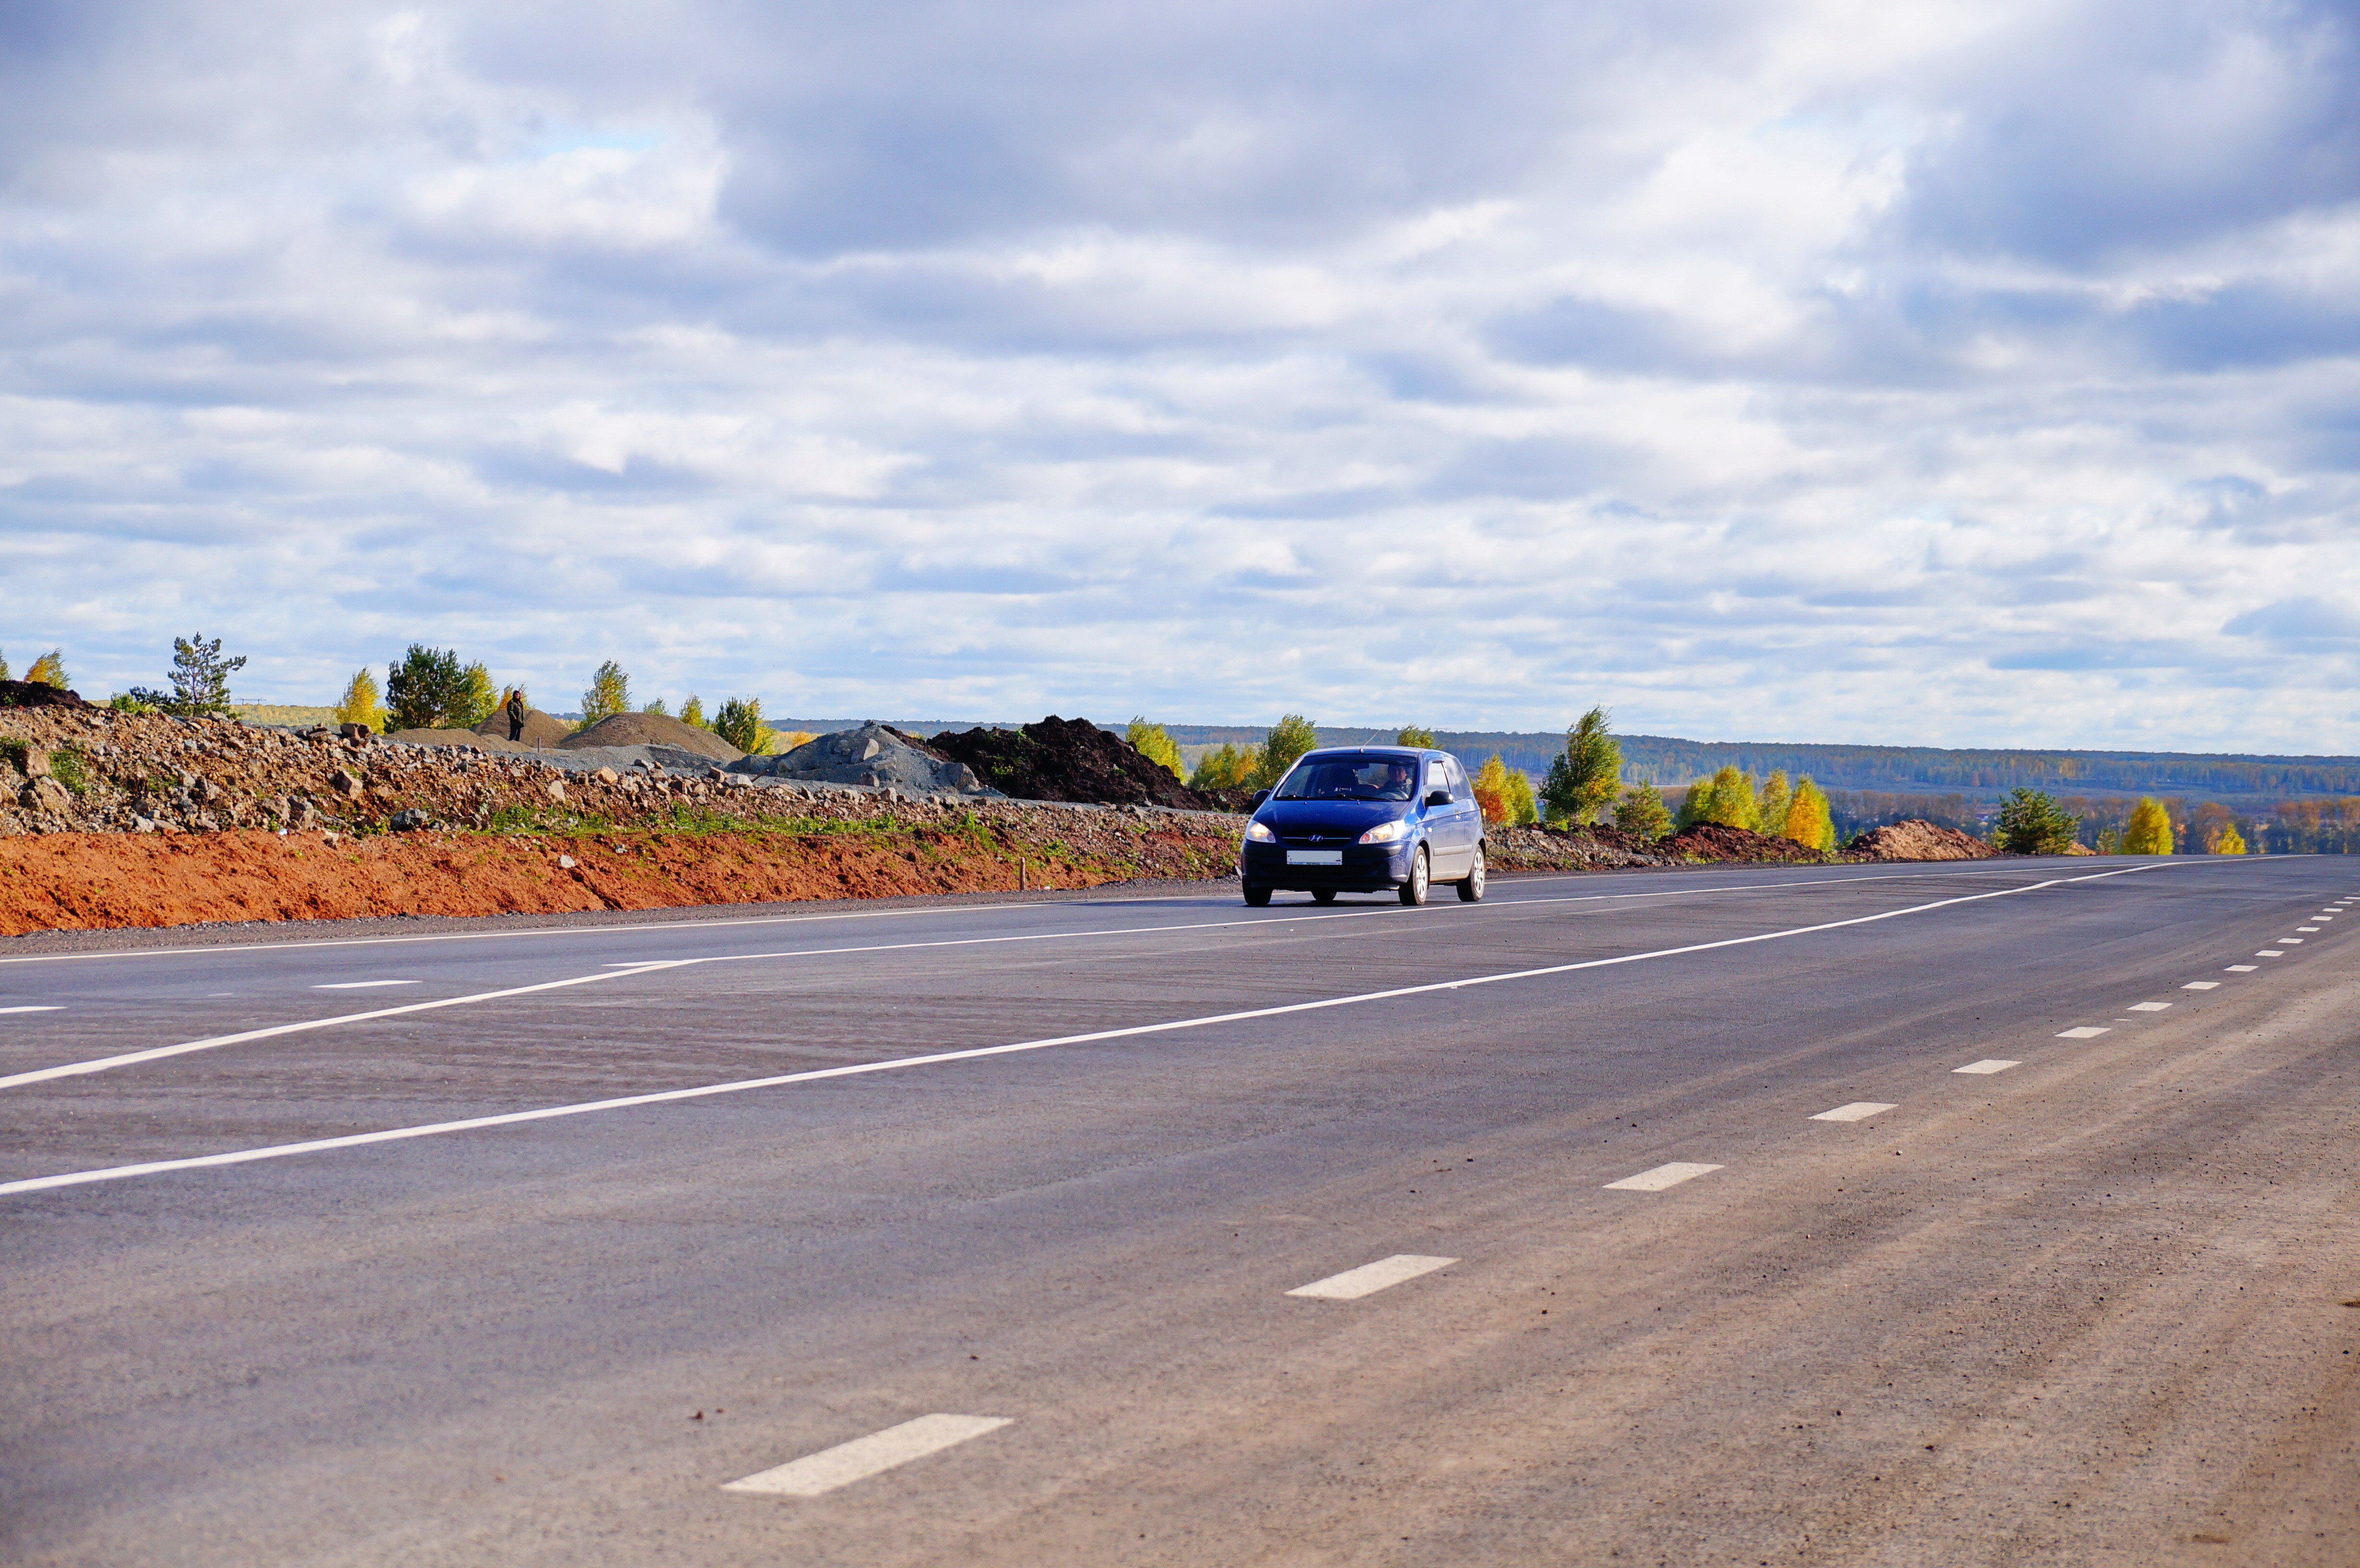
{"x": 1369, "y": 751}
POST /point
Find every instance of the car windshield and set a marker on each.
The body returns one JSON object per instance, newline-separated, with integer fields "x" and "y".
{"x": 1351, "y": 778}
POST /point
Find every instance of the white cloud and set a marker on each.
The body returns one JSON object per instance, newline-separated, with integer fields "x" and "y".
{"x": 1935, "y": 373}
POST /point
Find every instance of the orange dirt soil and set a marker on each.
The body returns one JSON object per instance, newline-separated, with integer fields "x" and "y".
{"x": 105, "y": 881}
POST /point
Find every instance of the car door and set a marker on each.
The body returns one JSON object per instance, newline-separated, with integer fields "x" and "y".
{"x": 1448, "y": 835}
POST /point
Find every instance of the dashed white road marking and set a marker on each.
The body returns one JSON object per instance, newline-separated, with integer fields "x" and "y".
{"x": 2207, "y": 984}
{"x": 2241, "y": 969}
{"x": 361, "y": 984}
{"x": 1988, "y": 1064}
{"x": 1858, "y": 1111}
{"x": 1661, "y": 1177}
{"x": 33, "y": 1010}
{"x": 1371, "y": 1278}
{"x": 2269, "y": 953}
{"x": 815, "y": 1474}
{"x": 2308, "y": 930}
{"x": 2084, "y": 1031}
{"x": 2289, "y": 941}
{"x": 2158, "y": 1007}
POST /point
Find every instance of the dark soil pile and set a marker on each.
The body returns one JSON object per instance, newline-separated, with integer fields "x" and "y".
{"x": 540, "y": 730}
{"x": 38, "y": 694}
{"x": 646, "y": 729}
{"x": 1710, "y": 841}
{"x": 1917, "y": 840}
{"x": 1067, "y": 760}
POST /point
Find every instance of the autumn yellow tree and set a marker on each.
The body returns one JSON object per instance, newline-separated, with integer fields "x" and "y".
{"x": 1225, "y": 768}
{"x": 1809, "y": 821}
{"x": 1491, "y": 790}
{"x": 1770, "y": 804}
{"x": 1154, "y": 742}
{"x": 361, "y": 704}
{"x": 49, "y": 670}
{"x": 1727, "y": 798}
{"x": 2231, "y": 842}
{"x": 2149, "y": 832}
{"x": 1524, "y": 807}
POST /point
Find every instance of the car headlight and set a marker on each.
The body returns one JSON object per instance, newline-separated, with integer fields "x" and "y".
{"x": 1385, "y": 833}
{"x": 1257, "y": 833}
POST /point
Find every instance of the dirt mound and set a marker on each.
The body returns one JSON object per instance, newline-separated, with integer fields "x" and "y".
{"x": 1067, "y": 760}
{"x": 541, "y": 730}
{"x": 38, "y": 694}
{"x": 874, "y": 755}
{"x": 651, "y": 729}
{"x": 479, "y": 739}
{"x": 1917, "y": 840}
{"x": 70, "y": 881}
{"x": 1576, "y": 849}
{"x": 1711, "y": 841}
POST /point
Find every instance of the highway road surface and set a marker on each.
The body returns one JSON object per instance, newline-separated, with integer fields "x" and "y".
{"x": 1984, "y": 1213}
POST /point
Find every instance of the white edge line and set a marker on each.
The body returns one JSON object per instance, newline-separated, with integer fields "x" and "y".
{"x": 973, "y": 1053}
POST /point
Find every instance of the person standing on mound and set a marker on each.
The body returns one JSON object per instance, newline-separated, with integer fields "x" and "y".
{"x": 517, "y": 709}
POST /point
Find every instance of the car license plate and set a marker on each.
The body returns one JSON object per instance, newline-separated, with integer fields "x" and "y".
{"x": 1315, "y": 857}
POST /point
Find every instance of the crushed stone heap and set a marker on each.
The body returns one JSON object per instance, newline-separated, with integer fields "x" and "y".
{"x": 874, "y": 755}
{"x": 1917, "y": 840}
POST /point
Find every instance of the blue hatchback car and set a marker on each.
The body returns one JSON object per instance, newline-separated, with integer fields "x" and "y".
{"x": 1365, "y": 819}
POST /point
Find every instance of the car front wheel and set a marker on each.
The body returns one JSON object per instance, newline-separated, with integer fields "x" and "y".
{"x": 1471, "y": 891}
{"x": 1256, "y": 897}
{"x": 1421, "y": 877}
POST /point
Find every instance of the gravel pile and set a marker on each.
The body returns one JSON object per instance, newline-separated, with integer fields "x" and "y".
{"x": 874, "y": 756}
{"x": 646, "y": 729}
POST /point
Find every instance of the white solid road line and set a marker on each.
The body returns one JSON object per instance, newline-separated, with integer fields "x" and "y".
{"x": 1661, "y": 1177}
{"x": 824, "y": 1472}
{"x": 1988, "y": 1064}
{"x": 1371, "y": 1278}
{"x": 891, "y": 1064}
{"x": 56, "y": 1009}
{"x": 1858, "y": 1111}
{"x": 2232, "y": 969}
{"x": 2159, "y": 1007}
{"x": 361, "y": 984}
{"x": 2202, "y": 984}
{"x": 2084, "y": 1031}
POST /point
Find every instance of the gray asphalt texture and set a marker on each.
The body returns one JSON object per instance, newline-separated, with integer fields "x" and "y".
{"x": 2091, "y": 1309}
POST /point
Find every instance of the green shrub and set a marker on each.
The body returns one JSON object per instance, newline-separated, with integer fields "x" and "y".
{"x": 740, "y": 722}
{"x": 1289, "y": 739}
{"x": 1642, "y": 812}
{"x": 429, "y": 689}
{"x": 1225, "y": 768}
{"x": 70, "y": 768}
{"x": 1414, "y": 734}
{"x": 1154, "y": 742}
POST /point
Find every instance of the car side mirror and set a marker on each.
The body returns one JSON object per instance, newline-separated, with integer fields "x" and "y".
{"x": 1437, "y": 797}
{"x": 1260, "y": 796}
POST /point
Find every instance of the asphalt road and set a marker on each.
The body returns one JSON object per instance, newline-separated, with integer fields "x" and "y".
{"x": 2096, "y": 1306}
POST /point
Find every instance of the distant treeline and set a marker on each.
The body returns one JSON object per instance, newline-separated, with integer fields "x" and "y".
{"x": 1976, "y": 776}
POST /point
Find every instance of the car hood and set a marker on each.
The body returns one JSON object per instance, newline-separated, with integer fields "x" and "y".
{"x": 1352, "y": 817}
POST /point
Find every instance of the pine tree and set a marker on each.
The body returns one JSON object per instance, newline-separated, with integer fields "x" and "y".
{"x": 49, "y": 670}
{"x": 427, "y": 691}
{"x": 2149, "y": 832}
{"x": 740, "y": 722}
{"x": 1587, "y": 775}
{"x": 1289, "y": 739}
{"x": 2030, "y": 824}
{"x": 656, "y": 707}
{"x": 1154, "y": 742}
{"x": 1491, "y": 790}
{"x": 360, "y": 705}
{"x": 1411, "y": 734}
{"x": 1809, "y": 820}
{"x": 1641, "y": 811}
{"x": 609, "y": 693}
{"x": 200, "y": 679}
{"x": 1770, "y": 804}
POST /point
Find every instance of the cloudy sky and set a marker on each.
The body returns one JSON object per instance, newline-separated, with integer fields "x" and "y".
{"x": 1916, "y": 373}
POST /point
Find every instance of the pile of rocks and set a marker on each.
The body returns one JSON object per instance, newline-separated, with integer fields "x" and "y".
{"x": 872, "y": 757}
